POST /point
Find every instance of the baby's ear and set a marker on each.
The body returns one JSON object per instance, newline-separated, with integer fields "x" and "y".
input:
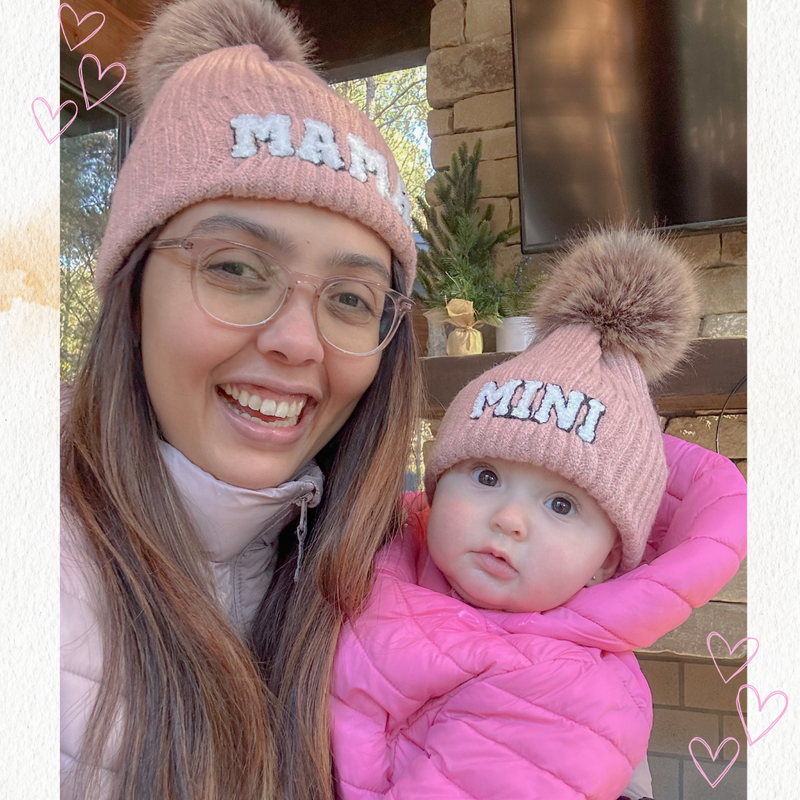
{"x": 609, "y": 566}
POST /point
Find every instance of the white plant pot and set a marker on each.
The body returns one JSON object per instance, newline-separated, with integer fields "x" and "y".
{"x": 515, "y": 334}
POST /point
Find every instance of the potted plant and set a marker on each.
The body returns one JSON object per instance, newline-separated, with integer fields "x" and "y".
{"x": 457, "y": 269}
{"x": 517, "y": 289}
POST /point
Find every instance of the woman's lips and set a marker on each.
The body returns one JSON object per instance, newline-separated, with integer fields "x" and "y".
{"x": 494, "y": 565}
{"x": 258, "y": 406}
{"x": 262, "y": 430}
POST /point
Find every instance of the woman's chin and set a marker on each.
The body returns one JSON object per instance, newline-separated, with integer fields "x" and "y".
{"x": 253, "y": 474}
{"x": 247, "y": 466}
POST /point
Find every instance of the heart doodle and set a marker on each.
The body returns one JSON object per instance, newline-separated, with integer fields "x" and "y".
{"x": 714, "y": 757}
{"x": 730, "y": 652}
{"x": 761, "y": 705}
{"x": 53, "y": 116}
{"x": 79, "y": 23}
{"x": 101, "y": 72}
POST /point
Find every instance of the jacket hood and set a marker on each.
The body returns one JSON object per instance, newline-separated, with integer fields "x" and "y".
{"x": 694, "y": 549}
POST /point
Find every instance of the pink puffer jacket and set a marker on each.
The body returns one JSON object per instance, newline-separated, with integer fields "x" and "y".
{"x": 432, "y": 698}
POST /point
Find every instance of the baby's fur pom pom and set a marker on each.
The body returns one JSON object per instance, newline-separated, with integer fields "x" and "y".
{"x": 187, "y": 29}
{"x": 632, "y": 286}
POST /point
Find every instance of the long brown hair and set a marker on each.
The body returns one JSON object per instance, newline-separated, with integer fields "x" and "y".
{"x": 198, "y": 719}
{"x": 361, "y": 510}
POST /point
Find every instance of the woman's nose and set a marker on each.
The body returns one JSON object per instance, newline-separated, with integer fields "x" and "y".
{"x": 292, "y": 333}
{"x": 511, "y": 520}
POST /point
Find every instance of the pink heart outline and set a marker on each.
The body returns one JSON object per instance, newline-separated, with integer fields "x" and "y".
{"x": 101, "y": 72}
{"x": 714, "y": 757}
{"x": 80, "y": 22}
{"x": 761, "y": 705}
{"x": 730, "y": 652}
{"x": 53, "y": 116}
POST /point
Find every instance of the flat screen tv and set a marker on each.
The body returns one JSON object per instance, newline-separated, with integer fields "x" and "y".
{"x": 629, "y": 110}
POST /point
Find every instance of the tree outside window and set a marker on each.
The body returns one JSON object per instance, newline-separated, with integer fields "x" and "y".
{"x": 89, "y": 165}
{"x": 397, "y": 103}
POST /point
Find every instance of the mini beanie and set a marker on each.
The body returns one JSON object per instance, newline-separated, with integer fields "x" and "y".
{"x": 230, "y": 109}
{"x": 618, "y": 310}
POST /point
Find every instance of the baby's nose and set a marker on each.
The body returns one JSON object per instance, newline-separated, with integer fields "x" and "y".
{"x": 511, "y": 520}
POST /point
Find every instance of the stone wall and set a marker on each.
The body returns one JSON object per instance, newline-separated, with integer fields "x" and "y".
{"x": 690, "y": 699}
{"x": 470, "y": 89}
{"x": 471, "y": 92}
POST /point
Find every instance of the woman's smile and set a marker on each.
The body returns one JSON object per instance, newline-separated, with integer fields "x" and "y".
{"x": 252, "y": 405}
{"x": 255, "y": 403}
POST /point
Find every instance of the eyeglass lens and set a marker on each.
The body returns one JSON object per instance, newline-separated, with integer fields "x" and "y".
{"x": 244, "y": 287}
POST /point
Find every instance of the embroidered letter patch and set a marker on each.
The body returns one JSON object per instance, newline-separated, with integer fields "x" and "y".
{"x": 501, "y": 400}
{"x": 364, "y": 159}
{"x": 566, "y": 410}
{"x": 588, "y": 430}
{"x": 490, "y": 395}
{"x": 274, "y": 128}
{"x": 318, "y": 147}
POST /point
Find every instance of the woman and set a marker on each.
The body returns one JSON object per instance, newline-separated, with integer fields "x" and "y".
{"x": 253, "y": 342}
{"x": 253, "y": 276}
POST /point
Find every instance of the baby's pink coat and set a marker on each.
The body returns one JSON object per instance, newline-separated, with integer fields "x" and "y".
{"x": 432, "y": 698}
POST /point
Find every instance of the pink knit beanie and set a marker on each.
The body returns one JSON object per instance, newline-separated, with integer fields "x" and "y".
{"x": 231, "y": 110}
{"x": 619, "y": 309}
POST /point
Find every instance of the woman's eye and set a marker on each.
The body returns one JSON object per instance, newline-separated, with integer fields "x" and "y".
{"x": 350, "y": 299}
{"x": 561, "y": 506}
{"x": 351, "y": 303}
{"x": 233, "y": 268}
{"x": 486, "y": 477}
{"x": 237, "y": 264}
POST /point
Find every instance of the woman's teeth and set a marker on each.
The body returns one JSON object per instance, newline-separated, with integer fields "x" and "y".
{"x": 288, "y": 413}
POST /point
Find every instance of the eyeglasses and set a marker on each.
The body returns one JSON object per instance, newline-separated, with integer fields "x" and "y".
{"x": 242, "y": 286}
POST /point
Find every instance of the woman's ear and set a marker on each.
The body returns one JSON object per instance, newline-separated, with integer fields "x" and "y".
{"x": 609, "y": 566}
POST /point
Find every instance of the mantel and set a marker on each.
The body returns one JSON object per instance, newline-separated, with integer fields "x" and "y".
{"x": 703, "y": 383}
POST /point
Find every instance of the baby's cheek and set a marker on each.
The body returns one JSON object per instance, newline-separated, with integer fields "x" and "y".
{"x": 444, "y": 535}
{"x": 449, "y": 519}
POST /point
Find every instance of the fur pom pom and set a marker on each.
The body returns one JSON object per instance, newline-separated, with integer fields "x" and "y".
{"x": 187, "y": 29}
{"x": 633, "y": 287}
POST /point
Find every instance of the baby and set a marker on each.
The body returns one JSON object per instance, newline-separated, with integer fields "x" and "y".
{"x": 494, "y": 657}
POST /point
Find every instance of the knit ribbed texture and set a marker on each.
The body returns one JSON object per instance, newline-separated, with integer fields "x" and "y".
{"x": 182, "y": 154}
{"x": 623, "y": 468}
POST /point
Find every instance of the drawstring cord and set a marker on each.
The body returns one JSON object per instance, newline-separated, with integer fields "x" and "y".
{"x": 301, "y": 535}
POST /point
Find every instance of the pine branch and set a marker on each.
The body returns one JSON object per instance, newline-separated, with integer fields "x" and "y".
{"x": 459, "y": 259}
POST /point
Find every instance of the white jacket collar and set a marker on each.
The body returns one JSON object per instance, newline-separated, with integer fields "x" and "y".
{"x": 228, "y": 518}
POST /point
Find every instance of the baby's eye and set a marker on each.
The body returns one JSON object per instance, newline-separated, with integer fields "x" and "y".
{"x": 560, "y": 505}
{"x": 486, "y": 477}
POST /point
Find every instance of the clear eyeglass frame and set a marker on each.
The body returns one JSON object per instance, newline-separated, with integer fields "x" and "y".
{"x": 194, "y": 246}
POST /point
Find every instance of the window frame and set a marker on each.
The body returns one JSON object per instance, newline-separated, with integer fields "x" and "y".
{"x": 118, "y": 102}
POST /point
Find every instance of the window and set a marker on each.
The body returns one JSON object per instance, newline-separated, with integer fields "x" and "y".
{"x": 92, "y": 150}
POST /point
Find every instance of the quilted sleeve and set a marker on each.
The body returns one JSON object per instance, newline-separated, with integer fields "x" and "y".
{"x": 384, "y": 675}
{"x": 558, "y": 730}
{"x": 700, "y": 532}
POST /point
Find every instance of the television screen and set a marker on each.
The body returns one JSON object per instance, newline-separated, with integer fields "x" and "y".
{"x": 629, "y": 110}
